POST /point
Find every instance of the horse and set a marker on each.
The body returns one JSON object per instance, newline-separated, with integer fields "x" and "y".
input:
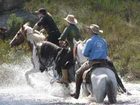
{"x": 78, "y": 47}
{"x": 62, "y": 57}
{"x": 26, "y": 33}
{"x": 103, "y": 81}
{"x": 37, "y": 40}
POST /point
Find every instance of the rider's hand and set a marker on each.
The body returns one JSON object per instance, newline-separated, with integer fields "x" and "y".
{"x": 60, "y": 43}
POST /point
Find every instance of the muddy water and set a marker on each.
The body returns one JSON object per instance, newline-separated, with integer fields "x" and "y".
{"x": 15, "y": 91}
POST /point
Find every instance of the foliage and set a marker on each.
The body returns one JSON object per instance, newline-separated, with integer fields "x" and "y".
{"x": 14, "y": 23}
{"x": 8, "y": 54}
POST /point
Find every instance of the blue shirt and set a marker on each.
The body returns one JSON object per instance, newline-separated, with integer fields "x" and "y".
{"x": 96, "y": 48}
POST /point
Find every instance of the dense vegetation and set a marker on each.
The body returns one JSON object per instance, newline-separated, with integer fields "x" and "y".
{"x": 119, "y": 19}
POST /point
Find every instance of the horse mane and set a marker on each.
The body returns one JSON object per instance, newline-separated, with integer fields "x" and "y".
{"x": 79, "y": 45}
{"x": 49, "y": 50}
{"x": 33, "y": 35}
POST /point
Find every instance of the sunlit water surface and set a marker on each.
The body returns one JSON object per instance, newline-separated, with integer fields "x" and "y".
{"x": 15, "y": 91}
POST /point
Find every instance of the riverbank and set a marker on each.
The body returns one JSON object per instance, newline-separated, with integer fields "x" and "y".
{"x": 26, "y": 15}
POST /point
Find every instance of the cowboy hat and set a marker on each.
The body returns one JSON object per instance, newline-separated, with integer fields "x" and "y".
{"x": 95, "y": 28}
{"x": 71, "y": 19}
{"x": 41, "y": 10}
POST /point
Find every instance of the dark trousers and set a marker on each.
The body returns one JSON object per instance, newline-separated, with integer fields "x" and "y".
{"x": 95, "y": 63}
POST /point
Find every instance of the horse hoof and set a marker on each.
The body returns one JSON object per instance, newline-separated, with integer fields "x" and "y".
{"x": 62, "y": 82}
{"x": 128, "y": 93}
{"x": 74, "y": 95}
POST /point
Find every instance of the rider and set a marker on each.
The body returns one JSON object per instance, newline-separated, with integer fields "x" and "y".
{"x": 46, "y": 21}
{"x": 96, "y": 50}
{"x": 3, "y": 31}
{"x": 70, "y": 32}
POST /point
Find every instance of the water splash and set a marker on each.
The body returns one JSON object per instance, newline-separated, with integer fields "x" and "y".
{"x": 15, "y": 91}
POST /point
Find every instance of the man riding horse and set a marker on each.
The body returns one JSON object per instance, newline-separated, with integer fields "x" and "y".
{"x": 49, "y": 53}
{"x": 70, "y": 32}
{"x": 96, "y": 50}
{"x": 46, "y": 21}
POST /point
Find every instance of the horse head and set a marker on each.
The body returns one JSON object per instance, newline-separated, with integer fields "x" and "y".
{"x": 27, "y": 33}
{"x": 78, "y": 48}
{"x": 20, "y": 36}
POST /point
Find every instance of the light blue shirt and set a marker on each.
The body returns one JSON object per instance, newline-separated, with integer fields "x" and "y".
{"x": 95, "y": 48}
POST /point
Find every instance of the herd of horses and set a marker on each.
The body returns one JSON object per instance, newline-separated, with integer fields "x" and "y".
{"x": 44, "y": 54}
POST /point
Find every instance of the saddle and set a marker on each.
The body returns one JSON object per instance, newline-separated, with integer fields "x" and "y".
{"x": 87, "y": 73}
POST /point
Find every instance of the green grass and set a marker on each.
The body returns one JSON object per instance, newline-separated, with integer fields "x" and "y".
{"x": 10, "y": 55}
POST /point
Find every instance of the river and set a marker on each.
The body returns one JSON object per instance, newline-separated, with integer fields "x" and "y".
{"x": 15, "y": 91}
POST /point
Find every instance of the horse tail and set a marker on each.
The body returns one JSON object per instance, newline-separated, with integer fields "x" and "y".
{"x": 111, "y": 91}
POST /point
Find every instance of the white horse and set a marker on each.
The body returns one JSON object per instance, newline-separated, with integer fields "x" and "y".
{"x": 78, "y": 47}
{"x": 103, "y": 80}
{"x": 27, "y": 33}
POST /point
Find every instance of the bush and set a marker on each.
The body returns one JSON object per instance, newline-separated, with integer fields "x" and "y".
{"x": 14, "y": 23}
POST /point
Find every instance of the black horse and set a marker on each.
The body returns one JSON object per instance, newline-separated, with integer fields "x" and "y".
{"x": 50, "y": 53}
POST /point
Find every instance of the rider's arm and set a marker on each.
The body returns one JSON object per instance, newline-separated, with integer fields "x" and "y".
{"x": 35, "y": 27}
{"x": 65, "y": 34}
{"x": 38, "y": 24}
{"x": 87, "y": 48}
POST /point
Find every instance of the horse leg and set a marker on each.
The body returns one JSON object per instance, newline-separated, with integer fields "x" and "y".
{"x": 85, "y": 89}
{"x": 111, "y": 91}
{"x": 55, "y": 73}
{"x": 27, "y": 75}
{"x": 99, "y": 88}
{"x": 71, "y": 73}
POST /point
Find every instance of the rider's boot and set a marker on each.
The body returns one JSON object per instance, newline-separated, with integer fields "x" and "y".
{"x": 64, "y": 78}
{"x": 78, "y": 86}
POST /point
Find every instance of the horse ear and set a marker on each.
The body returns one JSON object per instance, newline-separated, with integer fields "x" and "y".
{"x": 27, "y": 24}
{"x": 22, "y": 28}
{"x": 74, "y": 41}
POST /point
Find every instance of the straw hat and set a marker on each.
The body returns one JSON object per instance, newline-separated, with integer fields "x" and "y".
{"x": 71, "y": 19}
{"x": 95, "y": 28}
